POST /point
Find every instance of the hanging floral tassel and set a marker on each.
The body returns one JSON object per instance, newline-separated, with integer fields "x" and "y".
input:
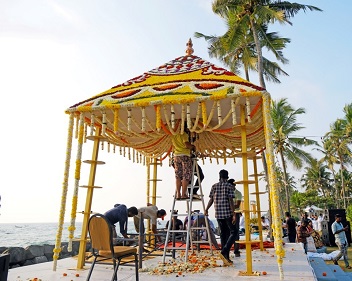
{"x": 204, "y": 113}
{"x": 103, "y": 127}
{"x": 108, "y": 146}
{"x": 116, "y": 121}
{"x": 219, "y": 112}
{"x": 158, "y": 117}
{"x": 248, "y": 108}
{"x": 183, "y": 116}
{"x": 188, "y": 116}
{"x": 143, "y": 119}
{"x": 129, "y": 117}
{"x": 92, "y": 124}
{"x": 172, "y": 116}
{"x": 85, "y": 132}
{"x": 233, "y": 112}
{"x": 76, "y": 131}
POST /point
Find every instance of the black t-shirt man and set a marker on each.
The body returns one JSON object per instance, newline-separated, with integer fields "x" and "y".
{"x": 291, "y": 227}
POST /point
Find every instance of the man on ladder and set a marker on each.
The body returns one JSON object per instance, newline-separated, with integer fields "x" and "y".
{"x": 182, "y": 162}
{"x": 186, "y": 167}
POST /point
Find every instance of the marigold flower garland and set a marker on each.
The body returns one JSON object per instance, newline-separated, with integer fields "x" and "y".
{"x": 280, "y": 252}
{"x": 57, "y": 248}
{"x": 72, "y": 226}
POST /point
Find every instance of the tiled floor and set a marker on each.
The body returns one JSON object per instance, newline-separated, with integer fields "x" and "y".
{"x": 295, "y": 267}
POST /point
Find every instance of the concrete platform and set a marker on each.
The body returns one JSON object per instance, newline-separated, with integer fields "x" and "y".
{"x": 295, "y": 266}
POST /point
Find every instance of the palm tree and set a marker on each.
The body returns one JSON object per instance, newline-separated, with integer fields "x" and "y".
{"x": 317, "y": 177}
{"x": 348, "y": 118}
{"x": 339, "y": 147}
{"x": 330, "y": 160}
{"x": 286, "y": 145}
{"x": 236, "y": 49}
{"x": 253, "y": 15}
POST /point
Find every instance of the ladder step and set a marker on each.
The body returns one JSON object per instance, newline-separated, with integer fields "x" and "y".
{"x": 177, "y": 248}
{"x": 200, "y": 242}
{"x": 198, "y": 227}
{"x": 181, "y": 231}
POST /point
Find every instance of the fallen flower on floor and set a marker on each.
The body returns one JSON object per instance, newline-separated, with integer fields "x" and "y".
{"x": 195, "y": 264}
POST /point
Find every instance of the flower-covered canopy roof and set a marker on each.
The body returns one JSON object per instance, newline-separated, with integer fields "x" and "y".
{"x": 144, "y": 112}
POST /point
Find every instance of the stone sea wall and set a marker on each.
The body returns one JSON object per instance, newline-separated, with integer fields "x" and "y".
{"x": 38, "y": 253}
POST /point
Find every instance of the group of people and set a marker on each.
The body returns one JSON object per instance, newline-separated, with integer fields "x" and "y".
{"x": 197, "y": 219}
{"x": 308, "y": 228}
{"x": 120, "y": 213}
{"x": 226, "y": 200}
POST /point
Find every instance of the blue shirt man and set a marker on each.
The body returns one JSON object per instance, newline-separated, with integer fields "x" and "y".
{"x": 119, "y": 214}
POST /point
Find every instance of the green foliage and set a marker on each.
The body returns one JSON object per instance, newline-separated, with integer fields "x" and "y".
{"x": 349, "y": 213}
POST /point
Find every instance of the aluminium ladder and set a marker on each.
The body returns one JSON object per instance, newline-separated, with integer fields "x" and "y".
{"x": 190, "y": 239}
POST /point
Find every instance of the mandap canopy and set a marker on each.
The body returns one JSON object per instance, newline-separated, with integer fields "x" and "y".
{"x": 229, "y": 114}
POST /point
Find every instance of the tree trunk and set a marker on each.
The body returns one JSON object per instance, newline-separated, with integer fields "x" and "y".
{"x": 285, "y": 181}
{"x": 259, "y": 53}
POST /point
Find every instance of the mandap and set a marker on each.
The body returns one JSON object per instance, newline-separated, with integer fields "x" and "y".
{"x": 230, "y": 115}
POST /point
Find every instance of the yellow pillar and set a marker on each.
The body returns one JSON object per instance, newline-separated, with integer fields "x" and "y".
{"x": 89, "y": 198}
{"x": 151, "y": 195}
{"x": 246, "y": 193}
{"x": 257, "y": 193}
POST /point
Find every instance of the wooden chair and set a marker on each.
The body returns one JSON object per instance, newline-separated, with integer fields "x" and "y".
{"x": 101, "y": 238}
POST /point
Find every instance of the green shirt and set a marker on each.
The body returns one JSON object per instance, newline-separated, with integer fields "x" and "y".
{"x": 238, "y": 197}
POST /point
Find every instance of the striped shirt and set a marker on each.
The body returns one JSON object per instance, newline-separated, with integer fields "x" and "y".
{"x": 221, "y": 193}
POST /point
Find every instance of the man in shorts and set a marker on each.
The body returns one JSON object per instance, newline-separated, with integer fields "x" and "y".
{"x": 182, "y": 162}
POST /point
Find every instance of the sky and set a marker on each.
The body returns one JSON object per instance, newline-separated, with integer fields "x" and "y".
{"x": 54, "y": 54}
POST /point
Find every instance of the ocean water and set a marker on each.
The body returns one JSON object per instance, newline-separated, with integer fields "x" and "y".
{"x": 26, "y": 234}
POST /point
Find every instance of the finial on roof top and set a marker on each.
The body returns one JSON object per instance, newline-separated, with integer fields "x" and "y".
{"x": 189, "y": 50}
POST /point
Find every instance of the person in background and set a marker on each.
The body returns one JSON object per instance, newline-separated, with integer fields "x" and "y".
{"x": 310, "y": 226}
{"x": 291, "y": 227}
{"x": 265, "y": 223}
{"x": 304, "y": 216}
{"x": 222, "y": 195}
{"x": 320, "y": 223}
{"x": 199, "y": 221}
{"x": 182, "y": 162}
{"x": 176, "y": 224}
{"x": 198, "y": 181}
{"x": 237, "y": 202}
{"x": 302, "y": 234}
{"x": 119, "y": 214}
{"x": 314, "y": 220}
{"x": 340, "y": 239}
{"x": 152, "y": 213}
{"x": 242, "y": 225}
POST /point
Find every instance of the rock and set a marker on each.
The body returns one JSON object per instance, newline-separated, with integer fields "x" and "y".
{"x": 34, "y": 251}
{"x": 48, "y": 251}
{"x": 17, "y": 255}
{"x": 40, "y": 259}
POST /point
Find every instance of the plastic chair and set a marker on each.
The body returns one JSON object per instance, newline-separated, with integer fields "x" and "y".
{"x": 101, "y": 238}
